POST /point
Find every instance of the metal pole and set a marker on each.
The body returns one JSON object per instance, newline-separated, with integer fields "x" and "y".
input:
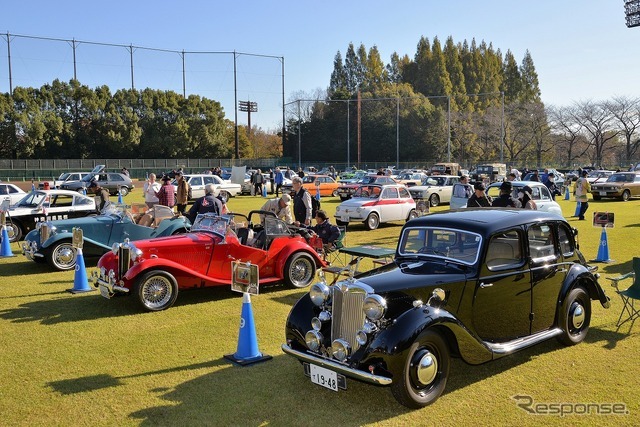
{"x": 502, "y": 131}
{"x": 283, "y": 116}
{"x": 131, "y": 56}
{"x": 184, "y": 79}
{"x": 299, "y": 136}
{"x": 73, "y": 46}
{"x": 9, "y": 61}
{"x": 449, "y": 129}
{"x": 235, "y": 105}
{"x": 397, "y": 133}
{"x": 348, "y": 137}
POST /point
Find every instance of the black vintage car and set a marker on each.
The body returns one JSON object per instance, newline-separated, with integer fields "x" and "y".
{"x": 476, "y": 284}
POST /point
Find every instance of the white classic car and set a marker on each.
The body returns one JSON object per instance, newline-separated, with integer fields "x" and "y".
{"x": 11, "y": 192}
{"x": 374, "y": 204}
{"x": 198, "y": 181}
{"x": 539, "y": 192}
{"x": 436, "y": 189}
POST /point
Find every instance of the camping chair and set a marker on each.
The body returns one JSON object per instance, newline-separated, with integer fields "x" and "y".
{"x": 629, "y": 295}
{"x": 331, "y": 252}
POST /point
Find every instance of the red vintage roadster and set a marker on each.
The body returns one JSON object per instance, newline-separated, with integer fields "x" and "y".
{"x": 154, "y": 270}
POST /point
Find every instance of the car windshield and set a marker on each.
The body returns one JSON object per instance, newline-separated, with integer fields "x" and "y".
{"x": 31, "y": 200}
{"x": 369, "y": 192}
{"x": 457, "y": 245}
{"x": 485, "y": 169}
{"x": 621, "y": 177}
{"x": 434, "y": 180}
{"x": 211, "y": 223}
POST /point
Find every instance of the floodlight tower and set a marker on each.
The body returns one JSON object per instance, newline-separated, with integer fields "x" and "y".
{"x": 632, "y": 12}
{"x": 248, "y": 107}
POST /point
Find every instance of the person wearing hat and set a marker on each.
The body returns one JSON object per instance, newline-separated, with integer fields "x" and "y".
{"x": 166, "y": 193}
{"x": 479, "y": 198}
{"x": 280, "y": 207}
{"x": 526, "y": 200}
{"x": 102, "y": 195}
{"x": 207, "y": 203}
{"x": 504, "y": 200}
{"x": 182, "y": 193}
{"x": 582, "y": 189}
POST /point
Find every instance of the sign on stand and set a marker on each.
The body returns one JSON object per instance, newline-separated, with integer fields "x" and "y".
{"x": 245, "y": 277}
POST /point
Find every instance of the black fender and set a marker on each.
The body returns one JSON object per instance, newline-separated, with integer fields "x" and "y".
{"x": 580, "y": 275}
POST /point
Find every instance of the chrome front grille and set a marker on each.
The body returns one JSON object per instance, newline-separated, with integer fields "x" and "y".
{"x": 45, "y": 232}
{"x": 124, "y": 259}
{"x": 348, "y": 317}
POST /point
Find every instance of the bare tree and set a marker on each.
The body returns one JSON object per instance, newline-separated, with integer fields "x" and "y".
{"x": 627, "y": 115}
{"x": 597, "y": 122}
{"x": 567, "y": 133}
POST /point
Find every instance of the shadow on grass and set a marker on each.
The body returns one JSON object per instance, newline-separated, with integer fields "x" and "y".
{"x": 23, "y": 268}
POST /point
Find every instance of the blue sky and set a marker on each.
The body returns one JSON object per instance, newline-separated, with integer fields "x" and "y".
{"x": 582, "y": 50}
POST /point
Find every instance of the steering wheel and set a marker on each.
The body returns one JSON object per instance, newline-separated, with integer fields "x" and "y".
{"x": 432, "y": 251}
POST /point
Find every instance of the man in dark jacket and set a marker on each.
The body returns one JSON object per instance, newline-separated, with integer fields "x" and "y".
{"x": 504, "y": 200}
{"x": 479, "y": 198}
{"x": 207, "y": 203}
{"x": 102, "y": 196}
{"x": 328, "y": 232}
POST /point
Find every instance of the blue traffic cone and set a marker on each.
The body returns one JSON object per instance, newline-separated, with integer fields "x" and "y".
{"x": 80, "y": 281}
{"x": 578, "y": 206}
{"x": 566, "y": 192}
{"x": 603, "y": 248}
{"x": 318, "y": 193}
{"x": 5, "y": 250}
{"x": 84, "y": 190}
{"x": 247, "y": 352}
{"x": 264, "y": 190}
{"x": 33, "y": 186}
{"x": 119, "y": 198}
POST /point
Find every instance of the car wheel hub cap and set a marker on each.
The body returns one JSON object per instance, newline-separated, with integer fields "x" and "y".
{"x": 426, "y": 368}
{"x": 577, "y": 316}
{"x": 65, "y": 255}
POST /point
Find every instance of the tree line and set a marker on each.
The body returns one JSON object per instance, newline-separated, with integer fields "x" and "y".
{"x": 463, "y": 100}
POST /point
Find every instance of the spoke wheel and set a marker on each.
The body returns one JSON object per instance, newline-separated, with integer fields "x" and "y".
{"x": 425, "y": 372}
{"x": 299, "y": 270}
{"x": 157, "y": 290}
{"x": 63, "y": 256}
{"x": 14, "y": 231}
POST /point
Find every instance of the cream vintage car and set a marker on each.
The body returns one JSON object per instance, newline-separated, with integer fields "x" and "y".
{"x": 436, "y": 189}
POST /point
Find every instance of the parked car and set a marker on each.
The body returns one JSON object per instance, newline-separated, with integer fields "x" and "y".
{"x": 477, "y": 284}
{"x": 155, "y": 270}
{"x": 539, "y": 192}
{"x": 113, "y": 182}
{"x": 51, "y": 241}
{"x": 44, "y": 205}
{"x": 411, "y": 178}
{"x": 346, "y": 191}
{"x": 374, "y": 204}
{"x": 328, "y": 186}
{"x": 353, "y": 177}
{"x": 247, "y": 186}
{"x": 491, "y": 172}
{"x": 445, "y": 169}
{"x": 64, "y": 177}
{"x": 599, "y": 176}
{"x": 436, "y": 189}
{"x": 621, "y": 185}
{"x": 197, "y": 183}
{"x": 11, "y": 192}
{"x": 351, "y": 173}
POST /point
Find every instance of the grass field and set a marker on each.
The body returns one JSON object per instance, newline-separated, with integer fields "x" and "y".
{"x": 83, "y": 360}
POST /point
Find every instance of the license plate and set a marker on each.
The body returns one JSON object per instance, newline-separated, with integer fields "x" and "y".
{"x": 104, "y": 292}
{"x": 603, "y": 193}
{"x": 323, "y": 377}
{"x": 344, "y": 218}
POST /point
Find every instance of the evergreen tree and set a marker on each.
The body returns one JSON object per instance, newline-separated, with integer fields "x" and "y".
{"x": 530, "y": 86}
{"x": 338, "y": 82}
{"x": 512, "y": 83}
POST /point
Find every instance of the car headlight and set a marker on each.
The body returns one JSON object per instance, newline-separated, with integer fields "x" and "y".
{"x": 313, "y": 339}
{"x": 319, "y": 293}
{"x": 359, "y": 209}
{"x": 338, "y": 209}
{"x": 115, "y": 247}
{"x": 135, "y": 253}
{"x": 341, "y": 349}
{"x": 374, "y": 307}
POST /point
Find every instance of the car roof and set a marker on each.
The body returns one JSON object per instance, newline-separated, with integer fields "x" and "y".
{"x": 484, "y": 221}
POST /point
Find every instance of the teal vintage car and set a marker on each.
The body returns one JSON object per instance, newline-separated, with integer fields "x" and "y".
{"x": 51, "y": 241}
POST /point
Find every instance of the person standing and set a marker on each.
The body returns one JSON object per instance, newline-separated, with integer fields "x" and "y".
{"x": 504, "y": 200}
{"x": 207, "y": 203}
{"x": 166, "y": 193}
{"x": 302, "y": 207}
{"x": 278, "y": 179}
{"x": 182, "y": 193}
{"x": 258, "y": 180}
{"x": 464, "y": 189}
{"x": 550, "y": 183}
{"x": 479, "y": 197}
{"x": 583, "y": 188}
{"x": 102, "y": 196}
{"x": 151, "y": 187}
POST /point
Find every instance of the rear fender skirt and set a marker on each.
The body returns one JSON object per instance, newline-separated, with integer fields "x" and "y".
{"x": 578, "y": 273}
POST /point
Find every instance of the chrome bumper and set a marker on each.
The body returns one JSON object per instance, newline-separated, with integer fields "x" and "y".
{"x": 337, "y": 367}
{"x": 30, "y": 250}
{"x": 106, "y": 284}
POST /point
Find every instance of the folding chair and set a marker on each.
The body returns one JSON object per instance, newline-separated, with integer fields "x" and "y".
{"x": 629, "y": 295}
{"x": 331, "y": 252}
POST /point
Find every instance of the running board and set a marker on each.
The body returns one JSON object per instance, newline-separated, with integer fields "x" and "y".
{"x": 504, "y": 348}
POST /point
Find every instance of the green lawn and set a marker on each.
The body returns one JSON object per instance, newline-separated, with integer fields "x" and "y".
{"x": 83, "y": 360}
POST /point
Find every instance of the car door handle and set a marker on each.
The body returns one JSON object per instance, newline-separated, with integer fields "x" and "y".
{"x": 485, "y": 285}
